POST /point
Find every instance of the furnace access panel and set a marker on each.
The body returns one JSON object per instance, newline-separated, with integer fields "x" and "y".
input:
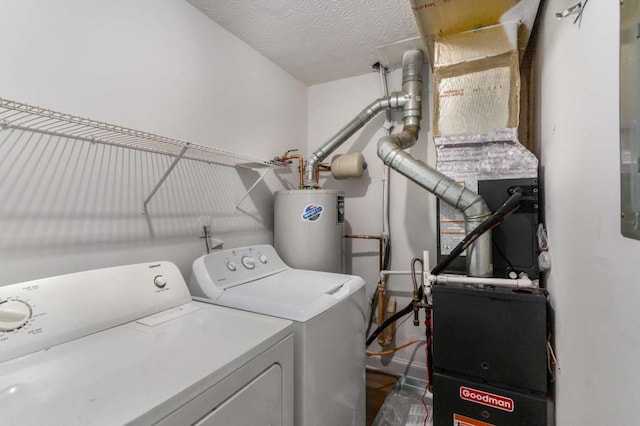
{"x": 514, "y": 245}
{"x": 489, "y": 356}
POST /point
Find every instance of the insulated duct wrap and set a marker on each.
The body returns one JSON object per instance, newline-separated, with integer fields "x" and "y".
{"x": 477, "y": 101}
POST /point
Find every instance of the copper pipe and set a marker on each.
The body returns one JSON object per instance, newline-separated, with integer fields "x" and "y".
{"x": 382, "y": 308}
{"x": 386, "y": 308}
{"x": 321, "y": 168}
{"x": 287, "y": 157}
{"x": 386, "y": 337}
{"x": 396, "y": 349}
{"x": 391, "y": 330}
{"x": 371, "y": 237}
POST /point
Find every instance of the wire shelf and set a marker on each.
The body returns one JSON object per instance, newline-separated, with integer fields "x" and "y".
{"x": 22, "y": 116}
{"x": 53, "y": 125}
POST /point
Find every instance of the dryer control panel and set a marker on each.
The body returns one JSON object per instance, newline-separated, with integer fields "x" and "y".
{"x": 38, "y": 314}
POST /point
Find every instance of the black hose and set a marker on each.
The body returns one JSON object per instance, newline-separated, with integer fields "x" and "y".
{"x": 374, "y": 304}
{"x": 374, "y": 300}
{"x": 404, "y": 311}
{"x": 387, "y": 254}
{"x": 428, "y": 332}
{"x": 501, "y": 253}
{"x": 509, "y": 206}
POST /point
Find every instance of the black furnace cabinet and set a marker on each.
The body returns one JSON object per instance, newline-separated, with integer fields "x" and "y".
{"x": 489, "y": 357}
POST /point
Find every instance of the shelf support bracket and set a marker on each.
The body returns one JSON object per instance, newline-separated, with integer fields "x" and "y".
{"x": 262, "y": 176}
{"x": 163, "y": 178}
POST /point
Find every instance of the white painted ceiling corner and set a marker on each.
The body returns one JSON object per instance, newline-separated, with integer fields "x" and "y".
{"x": 319, "y": 41}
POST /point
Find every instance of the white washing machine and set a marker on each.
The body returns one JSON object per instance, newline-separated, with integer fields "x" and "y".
{"x": 328, "y": 314}
{"x": 127, "y": 345}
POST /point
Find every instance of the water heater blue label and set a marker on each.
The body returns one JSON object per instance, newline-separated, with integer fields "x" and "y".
{"x": 312, "y": 212}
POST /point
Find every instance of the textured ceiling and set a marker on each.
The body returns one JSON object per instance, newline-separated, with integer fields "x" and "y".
{"x": 316, "y": 41}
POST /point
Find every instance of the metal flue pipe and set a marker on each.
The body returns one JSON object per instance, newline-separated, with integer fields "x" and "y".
{"x": 391, "y": 151}
{"x": 395, "y": 101}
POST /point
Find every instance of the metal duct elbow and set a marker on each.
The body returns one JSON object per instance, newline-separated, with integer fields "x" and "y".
{"x": 472, "y": 205}
{"x": 409, "y": 101}
{"x": 395, "y": 101}
{"x": 391, "y": 152}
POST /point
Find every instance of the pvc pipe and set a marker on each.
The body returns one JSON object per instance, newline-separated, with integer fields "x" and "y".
{"x": 385, "y": 174}
{"x": 496, "y": 282}
{"x": 389, "y": 273}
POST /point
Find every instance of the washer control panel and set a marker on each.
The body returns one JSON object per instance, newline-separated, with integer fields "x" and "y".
{"x": 249, "y": 262}
{"x": 38, "y": 314}
{"x": 228, "y": 268}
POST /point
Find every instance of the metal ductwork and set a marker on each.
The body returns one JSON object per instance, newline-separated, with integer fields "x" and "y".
{"x": 391, "y": 151}
{"x": 395, "y": 101}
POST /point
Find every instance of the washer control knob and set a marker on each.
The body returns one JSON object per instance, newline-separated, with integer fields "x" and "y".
{"x": 14, "y": 314}
{"x": 263, "y": 258}
{"x": 249, "y": 262}
{"x": 160, "y": 281}
{"x": 231, "y": 266}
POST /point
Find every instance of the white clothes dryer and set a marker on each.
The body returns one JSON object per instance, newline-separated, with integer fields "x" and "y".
{"x": 328, "y": 314}
{"x": 127, "y": 345}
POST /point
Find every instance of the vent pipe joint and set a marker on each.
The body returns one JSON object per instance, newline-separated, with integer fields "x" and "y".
{"x": 391, "y": 150}
{"x": 395, "y": 102}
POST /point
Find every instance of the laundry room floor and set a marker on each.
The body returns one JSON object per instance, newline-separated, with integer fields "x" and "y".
{"x": 379, "y": 384}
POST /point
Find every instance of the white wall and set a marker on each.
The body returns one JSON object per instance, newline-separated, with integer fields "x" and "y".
{"x": 593, "y": 284}
{"x": 163, "y": 67}
{"x": 154, "y": 65}
{"x": 412, "y": 215}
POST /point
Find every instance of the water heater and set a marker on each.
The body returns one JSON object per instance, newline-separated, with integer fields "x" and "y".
{"x": 309, "y": 229}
